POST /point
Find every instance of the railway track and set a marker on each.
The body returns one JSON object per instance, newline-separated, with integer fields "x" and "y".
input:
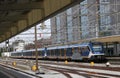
{"x": 84, "y": 66}
{"x": 16, "y": 73}
{"x": 73, "y": 70}
{"x": 85, "y": 73}
{"x": 114, "y": 60}
{"x": 67, "y": 72}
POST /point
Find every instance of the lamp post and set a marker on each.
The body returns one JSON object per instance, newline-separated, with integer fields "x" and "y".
{"x": 35, "y": 67}
{"x": 36, "y": 51}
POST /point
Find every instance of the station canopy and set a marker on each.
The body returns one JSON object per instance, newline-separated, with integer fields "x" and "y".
{"x": 19, "y": 15}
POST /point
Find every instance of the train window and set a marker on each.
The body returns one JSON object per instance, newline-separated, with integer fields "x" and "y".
{"x": 39, "y": 53}
{"x": 55, "y": 52}
{"x": 62, "y": 52}
{"x": 69, "y": 52}
{"x": 43, "y": 52}
{"x": 51, "y": 52}
{"x": 48, "y": 52}
{"x": 79, "y": 50}
{"x": 28, "y": 53}
{"x": 97, "y": 48}
{"x": 65, "y": 52}
{"x": 58, "y": 52}
{"x": 87, "y": 48}
{"x": 85, "y": 51}
{"x": 72, "y": 49}
{"x": 76, "y": 49}
{"x": 25, "y": 53}
{"x": 32, "y": 53}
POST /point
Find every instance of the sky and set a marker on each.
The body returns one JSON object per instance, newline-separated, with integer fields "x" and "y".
{"x": 29, "y": 36}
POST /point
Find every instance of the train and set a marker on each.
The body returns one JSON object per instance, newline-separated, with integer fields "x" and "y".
{"x": 87, "y": 51}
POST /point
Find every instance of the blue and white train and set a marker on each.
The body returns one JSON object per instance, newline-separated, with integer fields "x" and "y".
{"x": 83, "y": 51}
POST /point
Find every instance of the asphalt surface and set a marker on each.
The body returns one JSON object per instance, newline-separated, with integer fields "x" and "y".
{"x": 3, "y": 75}
{"x": 11, "y": 73}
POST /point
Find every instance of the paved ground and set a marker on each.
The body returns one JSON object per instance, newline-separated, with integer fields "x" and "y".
{"x": 11, "y": 73}
{"x": 3, "y": 75}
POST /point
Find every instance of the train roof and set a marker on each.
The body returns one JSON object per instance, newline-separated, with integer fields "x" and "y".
{"x": 68, "y": 46}
{"x": 82, "y": 44}
{"x": 57, "y": 47}
{"x": 61, "y": 47}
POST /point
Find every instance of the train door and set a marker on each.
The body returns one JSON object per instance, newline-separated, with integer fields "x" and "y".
{"x": 76, "y": 54}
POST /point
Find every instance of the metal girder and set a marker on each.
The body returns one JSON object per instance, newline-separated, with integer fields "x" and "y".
{"x": 15, "y": 18}
{"x": 22, "y": 6}
{"x": 5, "y": 25}
{"x": 115, "y": 38}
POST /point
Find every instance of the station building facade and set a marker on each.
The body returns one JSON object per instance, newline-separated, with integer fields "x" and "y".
{"x": 89, "y": 19}
{"x": 18, "y": 45}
